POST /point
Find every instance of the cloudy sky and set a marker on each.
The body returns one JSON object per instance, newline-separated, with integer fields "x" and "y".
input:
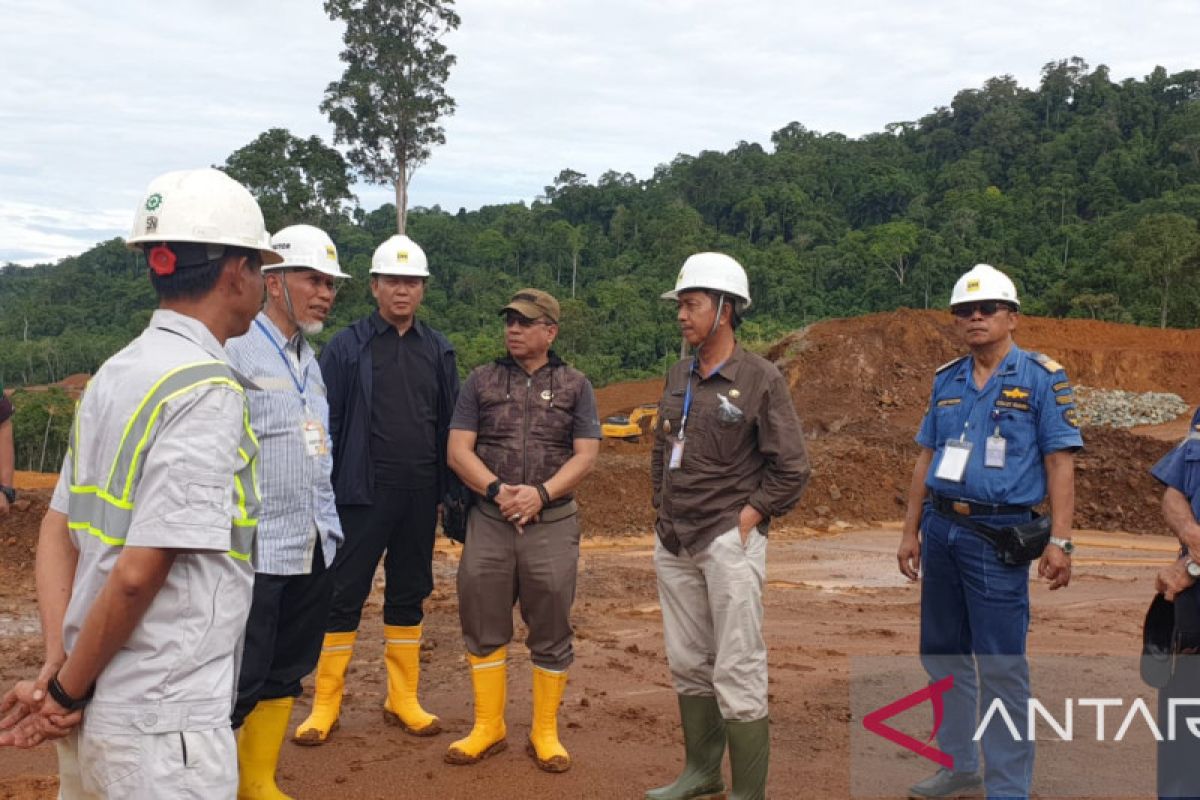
{"x": 98, "y": 98}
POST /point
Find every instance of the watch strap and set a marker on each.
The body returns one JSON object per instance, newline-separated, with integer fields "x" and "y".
{"x": 1067, "y": 545}
{"x": 9, "y": 493}
{"x": 65, "y": 700}
{"x": 493, "y": 489}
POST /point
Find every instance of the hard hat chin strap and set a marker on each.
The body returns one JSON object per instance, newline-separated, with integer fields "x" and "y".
{"x": 716, "y": 322}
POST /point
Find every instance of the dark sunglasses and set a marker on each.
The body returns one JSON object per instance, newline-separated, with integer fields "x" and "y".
{"x": 521, "y": 321}
{"x": 987, "y": 308}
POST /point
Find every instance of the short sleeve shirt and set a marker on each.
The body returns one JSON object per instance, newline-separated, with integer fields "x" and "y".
{"x": 1180, "y": 468}
{"x": 1027, "y": 402}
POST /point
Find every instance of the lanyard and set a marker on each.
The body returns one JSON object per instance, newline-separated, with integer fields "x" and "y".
{"x": 687, "y": 396}
{"x": 300, "y": 385}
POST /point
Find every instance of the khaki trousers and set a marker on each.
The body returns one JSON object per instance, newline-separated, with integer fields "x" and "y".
{"x": 712, "y": 622}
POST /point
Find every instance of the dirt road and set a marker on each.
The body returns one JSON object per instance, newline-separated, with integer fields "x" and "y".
{"x": 831, "y": 597}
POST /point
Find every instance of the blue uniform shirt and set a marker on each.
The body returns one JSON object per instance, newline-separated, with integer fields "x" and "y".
{"x": 1180, "y": 468}
{"x": 1028, "y": 398}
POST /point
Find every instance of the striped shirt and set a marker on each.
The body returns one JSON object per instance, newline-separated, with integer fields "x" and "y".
{"x": 297, "y": 497}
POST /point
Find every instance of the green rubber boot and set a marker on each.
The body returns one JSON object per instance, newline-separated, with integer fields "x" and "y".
{"x": 704, "y": 743}
{"x": 749, "y": 753}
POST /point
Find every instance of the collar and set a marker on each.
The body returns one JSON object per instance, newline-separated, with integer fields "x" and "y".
{"x": 1007, "y": 367}
{"x": 379, "y": 325}
{"x": 508, "y": 361}
{"x": 728, "y": 370}
{"x": 295, "y": 343}
{"x": 191, "y": 329}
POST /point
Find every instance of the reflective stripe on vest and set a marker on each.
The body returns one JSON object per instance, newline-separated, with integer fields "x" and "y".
{"x": 106, "y": 512}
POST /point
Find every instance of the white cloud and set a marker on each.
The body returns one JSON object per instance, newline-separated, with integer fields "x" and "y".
{"x": 99, "y": 98}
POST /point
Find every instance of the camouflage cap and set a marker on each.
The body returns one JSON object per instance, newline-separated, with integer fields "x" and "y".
{"x": 533, "y": 304}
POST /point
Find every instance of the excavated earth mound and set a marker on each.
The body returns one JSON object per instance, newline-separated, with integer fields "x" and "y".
{"x": 861, "y": 386}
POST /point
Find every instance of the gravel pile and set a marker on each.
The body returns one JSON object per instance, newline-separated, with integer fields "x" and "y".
{"x": 1116, "y": 408}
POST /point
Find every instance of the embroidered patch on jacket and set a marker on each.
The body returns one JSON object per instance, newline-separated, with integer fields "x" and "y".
{"x": 1015, "y": 393}
{"x": 1064, "y": 399}
{"x": 949, "y": 401}
{"x": 1058, "y": 387}
{"x": 1071, "y": 416}
{"x": 1016, "y": 405}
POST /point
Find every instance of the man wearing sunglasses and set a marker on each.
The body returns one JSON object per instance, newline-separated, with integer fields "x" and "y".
{"x": 298, "y": 531}
{"x": 998, "y": 438}
{"x": 525, "y": 432}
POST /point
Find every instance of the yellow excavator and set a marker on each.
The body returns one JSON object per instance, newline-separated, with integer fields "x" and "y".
{"x": 629, "y": 427}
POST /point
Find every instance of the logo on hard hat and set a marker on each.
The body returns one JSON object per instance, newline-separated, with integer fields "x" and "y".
{"x": 153, "y": 201}
{"x": 330, "y": 253}
{"x": 151, "y": 224}
{"x": 402, "y": 256}
{"x": 973, "y": 285}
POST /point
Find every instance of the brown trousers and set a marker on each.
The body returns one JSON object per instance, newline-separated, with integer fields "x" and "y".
{"x": 538, "y": 568}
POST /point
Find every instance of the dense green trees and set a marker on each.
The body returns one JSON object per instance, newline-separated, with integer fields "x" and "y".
{"x": 1085, "y": 190}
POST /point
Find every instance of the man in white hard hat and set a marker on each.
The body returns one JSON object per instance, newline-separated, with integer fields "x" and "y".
{"x": 298, "y": 529}
{"x": 998, "y": 438}
{"x": 392, "y": 382}
{"x": 728, "y": 457}
{"x": 144, "y": 572}
{"x": 524, "y": 435}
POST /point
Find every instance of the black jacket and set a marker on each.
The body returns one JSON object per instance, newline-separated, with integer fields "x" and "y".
{"x": 347, "y": 368}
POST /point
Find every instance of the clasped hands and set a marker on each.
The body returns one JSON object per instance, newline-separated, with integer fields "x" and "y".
{"x": 520, "y": 504}
{"x": 30, "y": 716}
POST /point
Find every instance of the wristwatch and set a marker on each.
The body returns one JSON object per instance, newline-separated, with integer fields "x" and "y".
{"x": 65, "y": 700}
{"x": 1067, "y": 545}
{"x": 9, "y": 492}
{"x": 493, "y": 489}
{"x": 1192, "y": 567}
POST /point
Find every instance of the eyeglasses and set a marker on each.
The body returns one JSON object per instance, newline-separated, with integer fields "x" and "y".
{"x": 987, "y": 308}
{"x": 520, "y": 321}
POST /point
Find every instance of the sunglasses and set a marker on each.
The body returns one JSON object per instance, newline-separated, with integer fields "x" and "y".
{"x": 522, "y": 321}
{"x": 987, "y": 308}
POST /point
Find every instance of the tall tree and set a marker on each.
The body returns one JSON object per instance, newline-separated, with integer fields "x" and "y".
{"x": 392, "y": 94}
{"x": 1164, "y": 249}
{"x": 295, "y": 180}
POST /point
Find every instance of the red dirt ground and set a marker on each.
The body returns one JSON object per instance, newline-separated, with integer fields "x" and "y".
{"x": 861, "y": 386}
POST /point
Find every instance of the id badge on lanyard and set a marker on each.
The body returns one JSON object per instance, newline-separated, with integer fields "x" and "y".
{"x": 953, "y": 465}
{"x": 314, "y": 436}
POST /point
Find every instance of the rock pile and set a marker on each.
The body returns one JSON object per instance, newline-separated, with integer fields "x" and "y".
{"x": 1117, "y": 408}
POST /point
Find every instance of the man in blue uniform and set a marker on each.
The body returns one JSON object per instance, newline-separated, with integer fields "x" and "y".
{"x": 1179, "y": 471}
{"x": 998, "y": 438}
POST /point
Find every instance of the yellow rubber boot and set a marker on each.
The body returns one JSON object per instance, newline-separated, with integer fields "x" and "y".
{"x": 259, "y": 741}
{"x": 544, "y": 745}
{"x": 327, "y": 695}
{"x": 402, "y": 652}
{"x": 489, "y": 676}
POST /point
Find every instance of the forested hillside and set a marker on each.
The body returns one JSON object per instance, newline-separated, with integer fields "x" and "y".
{"x": 1087, "y": 191}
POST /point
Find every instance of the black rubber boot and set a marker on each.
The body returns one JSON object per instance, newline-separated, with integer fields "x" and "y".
{"x": 749, "y": 755}
{"x": 704, "y": 740}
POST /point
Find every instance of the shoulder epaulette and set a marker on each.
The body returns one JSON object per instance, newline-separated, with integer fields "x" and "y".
{"x": 949, "y": 364}
{"x": 1047, "y": 363}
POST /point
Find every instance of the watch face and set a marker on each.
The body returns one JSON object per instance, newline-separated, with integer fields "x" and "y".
{"x": 1193, "y": 569}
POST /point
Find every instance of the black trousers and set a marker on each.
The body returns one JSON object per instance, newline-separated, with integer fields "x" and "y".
{"x": 283, "y": 634}
{"x": 1178, "y": 760}
{"x": 400, "y": 523}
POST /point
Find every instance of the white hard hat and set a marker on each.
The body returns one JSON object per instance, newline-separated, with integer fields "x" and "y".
{"x": 715, "y": 271}
{"x": 984, "y": 282}
{"x": 306, "y": 247}
{"x": 400, "y": 255}
{"x": 201, "y": 206}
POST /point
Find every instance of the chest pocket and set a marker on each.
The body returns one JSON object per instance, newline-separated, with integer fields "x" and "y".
{"x": 670, "y": 412}
{"x": 947, "y": 418}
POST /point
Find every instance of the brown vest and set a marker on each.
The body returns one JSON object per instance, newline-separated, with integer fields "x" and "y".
{"x": 527, "y": 422}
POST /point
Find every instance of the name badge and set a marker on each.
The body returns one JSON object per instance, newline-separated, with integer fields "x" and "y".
{"x": 676, "y": 460}
{"x": 314, "y": 437}
{"x": 993, "y": 455}
{"x": 953, "y": 465}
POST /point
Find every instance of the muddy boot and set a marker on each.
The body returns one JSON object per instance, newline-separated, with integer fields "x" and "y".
{"x": 259, "y": 741}
{"x": 544, "y": 746}
{"x": 704, "y": 746}
{"x": 489, "y": 677}
{"x": 327, "y": 694}
{"x": 402, "y": 654}
{"x": 749, "y": 754}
